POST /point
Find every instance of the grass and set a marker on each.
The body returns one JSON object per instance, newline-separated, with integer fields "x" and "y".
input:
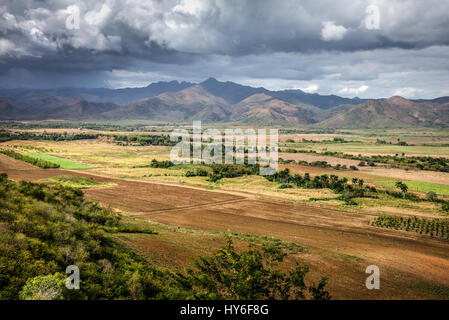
{"x": 419, "y": 186}
{"x": 63, "y": 163}
{"x": 440, "y": 291}
{"x": 79, "y": 182}
{"x": 350, "y": 257}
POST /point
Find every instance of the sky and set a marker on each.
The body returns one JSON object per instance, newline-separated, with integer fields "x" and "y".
{"x": 364, "y": 48}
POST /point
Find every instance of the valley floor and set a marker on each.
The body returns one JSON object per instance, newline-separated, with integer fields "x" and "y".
{"x": 341, "y": 244}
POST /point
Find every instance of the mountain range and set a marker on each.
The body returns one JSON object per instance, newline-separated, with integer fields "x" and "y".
{"x": 216, "y": 101}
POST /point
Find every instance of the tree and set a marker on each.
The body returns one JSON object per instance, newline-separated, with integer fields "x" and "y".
{"x": 249, "y": 275}
{"x": 402, "y": 186}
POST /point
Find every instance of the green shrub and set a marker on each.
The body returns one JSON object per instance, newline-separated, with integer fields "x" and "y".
{"x": 445, "y": 207}
{"x": 49, "y": 287}
{"x": 431, "y": 196}
{"x": 161, "y": 164}
{"x": 197, "y": 173}
{"x": 249, "y": 275}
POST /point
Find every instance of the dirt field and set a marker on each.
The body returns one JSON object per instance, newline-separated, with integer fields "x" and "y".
{"x": 341, "y": 244}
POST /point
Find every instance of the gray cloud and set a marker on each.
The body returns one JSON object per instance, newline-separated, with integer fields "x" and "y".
{"x": 278, "y": 44}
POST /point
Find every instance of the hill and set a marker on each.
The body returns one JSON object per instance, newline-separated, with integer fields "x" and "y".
{"x": 216, "y": 101}
{"x": 391, "y": 113}
{"x": 193, "y": 103}
{"x": 264, "y": 109}
{"x": 51, "y": 108}
{"x": 116, "y": 96}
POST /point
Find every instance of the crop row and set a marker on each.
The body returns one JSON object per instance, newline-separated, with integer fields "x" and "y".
{"x": 434, "y": 227}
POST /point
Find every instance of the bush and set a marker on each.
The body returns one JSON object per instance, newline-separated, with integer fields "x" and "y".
{"x": 48, "y": 287}
{"x": 445, "y": 207}
{"x": 249, "y": 275}
{"x": 197, "y": 173}
{"x": 161, "y": 164}
{"x": 220, "y": 171}
{"x": 3, "y": 177}
{"x": 431, "y": 196}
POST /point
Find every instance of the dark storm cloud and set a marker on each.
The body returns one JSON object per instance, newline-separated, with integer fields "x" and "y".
{"x": 273, "y": 42}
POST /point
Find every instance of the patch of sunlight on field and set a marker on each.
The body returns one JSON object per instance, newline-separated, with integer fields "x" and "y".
{"x": 63, "y": 163}
{"x": 101, "y": 154}
{"x": 419, "y": 186}
{"x": 159, "y": 175}
{"x": 146, "y": 171}
{"x": 79, "y": 182}
{"x": 394, "y": 206}
{"x": 261, "y": 186}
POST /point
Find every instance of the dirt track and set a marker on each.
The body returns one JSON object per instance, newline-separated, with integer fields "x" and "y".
{"x": 411, "y": 265}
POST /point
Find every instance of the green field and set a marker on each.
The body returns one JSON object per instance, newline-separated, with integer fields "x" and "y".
{"x": 63, "y": 163}
{"x": 419, "y": 186}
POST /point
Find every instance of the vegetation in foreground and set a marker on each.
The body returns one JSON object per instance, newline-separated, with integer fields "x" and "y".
{"x": 47, "y": 228}
{"x": 249, "y": 275}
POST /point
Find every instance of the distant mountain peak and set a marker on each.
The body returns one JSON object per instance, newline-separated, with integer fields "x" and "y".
{"x": 401, "y": 101}
{"x": 210, "y": 80}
